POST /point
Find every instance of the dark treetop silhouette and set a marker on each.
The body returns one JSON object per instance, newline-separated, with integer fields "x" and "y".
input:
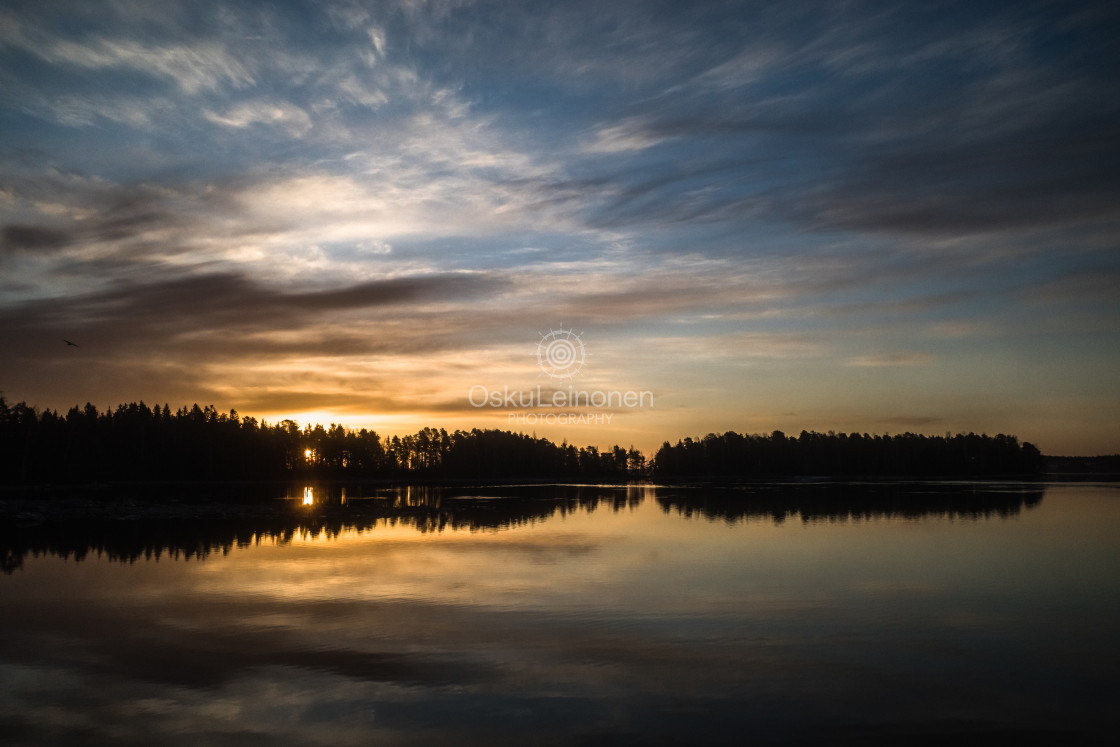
{"x": 136, "y": 442}
{"x": 847, "y": 455}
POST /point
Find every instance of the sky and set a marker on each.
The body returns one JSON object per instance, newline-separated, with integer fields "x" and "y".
{"x": 850, "y": 216}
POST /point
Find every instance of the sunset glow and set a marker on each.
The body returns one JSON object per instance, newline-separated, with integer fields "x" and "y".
{"x": 786, "y": 216}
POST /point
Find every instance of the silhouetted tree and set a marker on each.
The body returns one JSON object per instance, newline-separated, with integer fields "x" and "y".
{"x": 846, "y": 455}
{"x": 137, "y": 442}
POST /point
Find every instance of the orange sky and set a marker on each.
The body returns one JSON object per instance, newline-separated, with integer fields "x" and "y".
{"x": 853, "y": 218}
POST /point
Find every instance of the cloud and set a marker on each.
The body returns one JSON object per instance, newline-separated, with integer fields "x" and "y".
{"x": 193, "y": 67}
{"x": 962, "y": 329}
{"x": 911, "y": 421}
{"x": 935, "y": 128}
{"x": 90, "y": 217}
{"x": 290, "y": 118}
{"x": 86, "y": 110}
{"x": 892, "y": 359}
{"x": 746, "y": 67}
{"x": 229, "y": 335}
{"x": 375, "y": 246}
{"x": 211, "y": 192}
{"x": 304, "y": 221}
{"x": 620, "y": 138}
{"x": 31, "y": 238}
{"x": 1029, "y": 179}
{"x": 229, "y": 302}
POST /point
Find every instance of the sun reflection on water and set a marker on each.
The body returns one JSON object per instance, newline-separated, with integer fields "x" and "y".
{"x": 308, "y": 496}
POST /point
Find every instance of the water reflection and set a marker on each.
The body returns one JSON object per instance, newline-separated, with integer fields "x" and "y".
{"x": 151, "y": 528}
{"x": 855, "y": 501}
{"x": 433, "y": 496}
{"x": 571, "y": 614}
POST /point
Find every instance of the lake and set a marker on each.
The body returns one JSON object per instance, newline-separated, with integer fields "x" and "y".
{"x": 796, "y": 613}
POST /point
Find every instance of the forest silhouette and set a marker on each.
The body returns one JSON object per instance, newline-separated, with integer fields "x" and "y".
{"x": 735, "y": 455}
{"x": 136, "y": 442}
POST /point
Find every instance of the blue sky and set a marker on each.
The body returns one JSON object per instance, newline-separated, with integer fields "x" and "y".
{"x": 855, "y": 216}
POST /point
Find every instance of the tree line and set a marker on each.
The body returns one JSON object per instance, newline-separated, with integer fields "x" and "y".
{"x": 136, "y": 442}
{"x": 143, "y": 443}
{"x": 736, "y": 455}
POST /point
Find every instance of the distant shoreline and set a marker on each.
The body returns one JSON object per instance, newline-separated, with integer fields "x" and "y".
{"x": 46, "y": 488}
{"x": 219, "y": 490}
{"x": 216, "y": 498}
{"x": 1079, "y": 468}
{"x": 1073, "y": 469}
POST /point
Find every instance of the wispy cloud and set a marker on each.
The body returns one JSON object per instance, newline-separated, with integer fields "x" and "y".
{"x": 337, "y": 196}
{"x": 193, "y": 67}
{"x": 892, "y": 359}
{"x": 291, "y": 118}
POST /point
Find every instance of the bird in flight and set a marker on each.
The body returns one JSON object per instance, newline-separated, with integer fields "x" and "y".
{"x": 72, "y": 343}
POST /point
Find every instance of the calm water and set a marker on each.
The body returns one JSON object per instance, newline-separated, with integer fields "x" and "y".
{"x": 573, "y": 614}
